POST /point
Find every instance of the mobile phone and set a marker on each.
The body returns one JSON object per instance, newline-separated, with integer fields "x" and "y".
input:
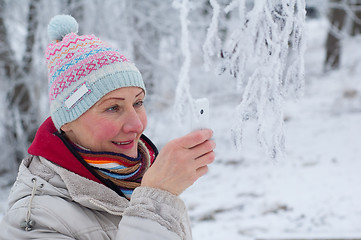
{"x": 200, "y": 116}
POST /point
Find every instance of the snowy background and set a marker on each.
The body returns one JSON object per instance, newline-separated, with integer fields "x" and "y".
{"x": 314, "y": 191}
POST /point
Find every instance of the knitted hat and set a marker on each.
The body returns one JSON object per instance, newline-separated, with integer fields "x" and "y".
{"x": 81, "y": 70}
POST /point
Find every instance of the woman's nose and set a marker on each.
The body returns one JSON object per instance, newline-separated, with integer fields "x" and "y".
{"x": 133, "y": 123}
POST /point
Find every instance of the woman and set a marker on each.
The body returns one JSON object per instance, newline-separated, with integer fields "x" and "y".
{"x": 91, "y": 173}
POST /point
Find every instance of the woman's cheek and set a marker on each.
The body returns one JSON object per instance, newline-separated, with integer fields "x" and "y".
{"x": 106, "y": 130}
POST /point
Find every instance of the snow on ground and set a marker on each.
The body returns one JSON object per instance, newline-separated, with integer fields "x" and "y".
{"x": 314, "y": 191}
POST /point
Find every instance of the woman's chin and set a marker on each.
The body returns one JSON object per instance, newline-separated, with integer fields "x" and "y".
{"x": 133, "y": 152}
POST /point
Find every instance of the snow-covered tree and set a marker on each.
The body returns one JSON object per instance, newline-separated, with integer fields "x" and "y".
{"x": 265, "y": 55}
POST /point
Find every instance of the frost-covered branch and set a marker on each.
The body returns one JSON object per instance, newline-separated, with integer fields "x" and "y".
{"x": 265, "y": 55}
{"x": 212, "y": 44}
{"x": 183, "y": 95}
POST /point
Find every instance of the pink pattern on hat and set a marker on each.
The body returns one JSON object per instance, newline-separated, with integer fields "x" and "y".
{"x": 82, "y": 69}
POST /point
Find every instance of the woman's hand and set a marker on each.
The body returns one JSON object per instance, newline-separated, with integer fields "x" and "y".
{"x": 181, "y": 162}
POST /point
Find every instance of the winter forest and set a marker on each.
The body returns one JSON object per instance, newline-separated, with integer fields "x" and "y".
{"x": 283, "y": 81}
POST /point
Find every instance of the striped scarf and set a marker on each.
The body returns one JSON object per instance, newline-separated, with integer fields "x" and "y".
{"x": 125, "y": 172}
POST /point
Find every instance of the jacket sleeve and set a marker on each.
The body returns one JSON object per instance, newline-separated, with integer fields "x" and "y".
{"x": 154, "y": 214}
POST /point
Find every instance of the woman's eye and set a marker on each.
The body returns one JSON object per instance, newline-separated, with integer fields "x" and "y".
{"x": 113, "y": 108}
{"x": 139, "y": 104}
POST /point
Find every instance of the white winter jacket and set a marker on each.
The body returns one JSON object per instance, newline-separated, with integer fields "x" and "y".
{"x": 59, "y": 204}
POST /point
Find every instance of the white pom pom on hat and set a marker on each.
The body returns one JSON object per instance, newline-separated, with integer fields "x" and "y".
{"x": 61, "y": 25}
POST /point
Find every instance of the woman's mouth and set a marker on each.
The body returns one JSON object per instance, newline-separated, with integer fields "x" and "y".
{"x": 124, "y": 144}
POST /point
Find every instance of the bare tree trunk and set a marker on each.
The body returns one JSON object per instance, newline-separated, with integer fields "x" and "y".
{"x": 21, "y": 113}
{"x": 21, "y": 95}
{"x": 356, "y": 24}
{"x": 7, "y": 61}
{"x": 30, "y": 38}
{"x": 337, "y": 17}
{"x": 8, "y": 69}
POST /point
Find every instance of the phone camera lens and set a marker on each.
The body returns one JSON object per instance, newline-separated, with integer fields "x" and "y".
{"x": 202, "y": 111}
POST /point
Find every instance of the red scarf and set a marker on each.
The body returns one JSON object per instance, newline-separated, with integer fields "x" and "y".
{"x": 49, "y": 145}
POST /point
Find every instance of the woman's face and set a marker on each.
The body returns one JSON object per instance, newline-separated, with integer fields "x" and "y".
{"x": 114, "y": 124}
